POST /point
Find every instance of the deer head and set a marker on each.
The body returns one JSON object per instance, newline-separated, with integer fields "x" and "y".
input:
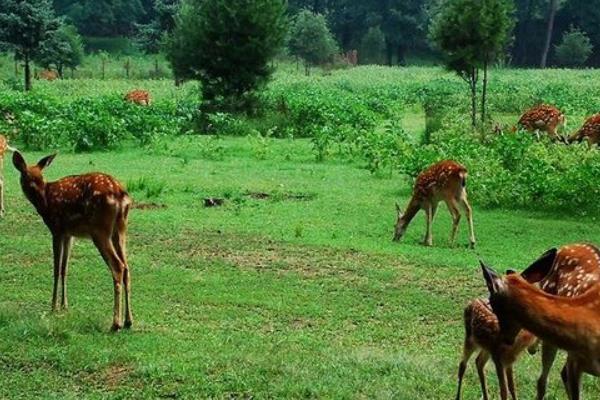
{"x": 32, "y": 178}
{"x": 400, "y": 224}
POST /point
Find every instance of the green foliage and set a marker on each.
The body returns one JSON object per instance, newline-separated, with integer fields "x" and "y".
{"x": 228, "y": 46}
{"x": 372, "y": 46}
{"x": 63, "y": 49}
{"x": 575, "y": 48}
{"x": 311, "y": 40}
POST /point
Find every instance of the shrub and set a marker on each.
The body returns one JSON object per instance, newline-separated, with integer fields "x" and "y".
{"x": 574, "y": 49}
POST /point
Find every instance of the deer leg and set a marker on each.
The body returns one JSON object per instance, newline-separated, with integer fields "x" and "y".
{"x": 107, "y": 250}
{"x": 480, "y": 362}
{"x": 67, "y": 244}
{"x": 120, "y": 243}
{"x": 573, "y": 379}
{"x": 564, "y": 375}
{"x": 430, "y": 210}
{"x": 455, "y": 212}
{"x": 501, "y": 372}
{"x": 468, "y": 349}
{"x": 548, "y": 356}
{"x": 57, "y": 251}
{"x": 511, "y": 382}
{"x": 469, "y": 211}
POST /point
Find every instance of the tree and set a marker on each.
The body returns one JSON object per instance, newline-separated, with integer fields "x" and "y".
{"x": 575, "y": 48}
{"x": 472, "y": 34}
{"x": 228, "y": 45}
{"x": 311, "y": 40}
{"x": 553, "y": 9}
{"x": 150, "y": 37}
{"x": 62, "y": 49}
{"x": 373, "y": 46}
{"x": 24, "y": 26}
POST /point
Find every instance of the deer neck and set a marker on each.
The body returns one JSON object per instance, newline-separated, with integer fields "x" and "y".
{"x": 409, "y": 214}
{"x": 566, "y": 322}
{"x": 37, "y": 197}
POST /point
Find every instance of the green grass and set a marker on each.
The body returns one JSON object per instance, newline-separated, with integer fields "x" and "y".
{"x": 300, "y": 295}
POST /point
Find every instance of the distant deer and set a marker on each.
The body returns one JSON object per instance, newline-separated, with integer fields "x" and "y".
{"x": 48, "y": 75}
{"x": 445, "y": 181}
{"x": 94, "y": 205}
{"x": 568, "y": 272}
{"x": 569, "y": 323}
{"x": 4, "y": 147}
{"x": 482, "y": 332}
{"x": 141, "y": 97}
{"x": 544, "y": 118}
{"x": 590, "y": 132}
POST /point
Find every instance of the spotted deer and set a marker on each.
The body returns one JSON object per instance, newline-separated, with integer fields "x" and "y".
{"x": 482, "y": 332}
{"x": 590, "y": 132}
{"x": 141, "y": 97}
{"x": 543, "y": 118}
{"x": 445, "y": 181}
{"x": 568, "y": 323}
{"x": 48, "y": 75}
{"x": 568, "y": 272}
{"x": 93, "y": 205}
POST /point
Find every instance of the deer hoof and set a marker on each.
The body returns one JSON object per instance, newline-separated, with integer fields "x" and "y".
{"x": 116, "y": 327}
{"x": 128, "y": 324}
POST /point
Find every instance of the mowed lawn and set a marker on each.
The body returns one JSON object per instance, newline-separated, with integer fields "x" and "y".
{"x": 293, "y": 289}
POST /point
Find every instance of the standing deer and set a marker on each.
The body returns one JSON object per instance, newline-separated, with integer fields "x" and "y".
{"x": 141, "y": 97}
{"x": 590, "y": 131}
{"x": 568, "y": 272}
{"x": 482, "y": 332}
{"x": 445, "y": 181}
{"x": 568, "y": 323}
{"x": 543, "y": 118}
{"x": 94, "y": 205}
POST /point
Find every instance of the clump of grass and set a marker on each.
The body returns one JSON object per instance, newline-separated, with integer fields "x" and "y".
{"x": 149, "y": 188}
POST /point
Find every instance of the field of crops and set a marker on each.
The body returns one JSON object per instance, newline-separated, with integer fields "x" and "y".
{"x": 293, "y": 288}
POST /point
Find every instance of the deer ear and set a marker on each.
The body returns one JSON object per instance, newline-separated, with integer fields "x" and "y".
{"x": 541, "y": 267}
{"x": 46, "y": 161}
{"x": 492, "y": 279}
{"x": 19, "y": 162}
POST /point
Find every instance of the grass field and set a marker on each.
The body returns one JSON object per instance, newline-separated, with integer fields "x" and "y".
{"x": 298, "y": 294}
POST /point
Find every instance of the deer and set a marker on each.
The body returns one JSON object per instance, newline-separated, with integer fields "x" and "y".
{"x": 445, "y": 180}
{"x": 47, "y": 75}
{"x": 543, "y": 118}
{"x": 568, "y": 323}
{"x": 567, "y": 272}
{"x": 482, "y": 332}
{"x": 93, "y": 205}
{"x": 590, "y": 132}
{"x": 138, "y": 96}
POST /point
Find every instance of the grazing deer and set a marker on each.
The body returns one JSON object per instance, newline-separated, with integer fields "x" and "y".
{"x": 141, "y": 97}
{"x": 543, "y": 118}
{"x": 568, "y": 323}
{"x": 94, "y": 205}
{"x": 568, "y": 272}
{"x": 482, "y": 332}
{"x": 445, "y": 181}
{"x": 590, "y": 131}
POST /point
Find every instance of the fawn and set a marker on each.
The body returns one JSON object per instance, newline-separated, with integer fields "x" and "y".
{"x": 568, "y": 323}
{"x": 482, "y": 332}
{"x": 445, "y": 181}
{"x": 94, "y": 205}
{"x": 141, "y": 97}
{"x": 568, "y": 272}
{"x": 543, "y": 118}
{"x": 590, "y": 131}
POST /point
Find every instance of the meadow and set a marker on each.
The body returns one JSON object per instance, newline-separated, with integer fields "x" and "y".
{"x": 292, "y": 289}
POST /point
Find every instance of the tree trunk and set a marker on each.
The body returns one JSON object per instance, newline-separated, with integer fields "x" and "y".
{"x": 484, "y": 91}
{"x": 27, "y": 74}
{"x": 473, "y": 84}
{"x": 522, "y": 39}
{"x": 549, "y": 31}
{"x": 389, "y": 54}
{"x": 16, "y": 68}
{"x": 400, "y": 54}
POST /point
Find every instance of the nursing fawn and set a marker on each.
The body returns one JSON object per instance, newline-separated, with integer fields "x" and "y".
{"x": 445, "y": 181}
{"x": 94, "y": 206}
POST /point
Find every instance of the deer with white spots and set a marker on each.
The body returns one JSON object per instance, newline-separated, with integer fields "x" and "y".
{"x": 543, "y": 118}
{"x": 568, "y": 323}
{"x": 568, "y": 272}
{"x": 94, "y": 206}
{"x": 482, "y": 332}
{"x": 444, "y": 181}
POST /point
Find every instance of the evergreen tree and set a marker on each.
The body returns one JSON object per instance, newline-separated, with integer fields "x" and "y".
{"x": 311, "y": 40}
{"x": 228, "y": 45}
{"x": 63, "y": 49}
{"x": 575, "y": 48}
{"x": 24, "y": 26}
{"x": 373, "y": 47}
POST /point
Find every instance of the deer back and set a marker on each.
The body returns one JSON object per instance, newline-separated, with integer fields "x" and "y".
{"x": 590, "y": 130}
{"x": 443, "y": 179}
{"x": 141, "y": 97}
{"x": 541, "y": 117}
